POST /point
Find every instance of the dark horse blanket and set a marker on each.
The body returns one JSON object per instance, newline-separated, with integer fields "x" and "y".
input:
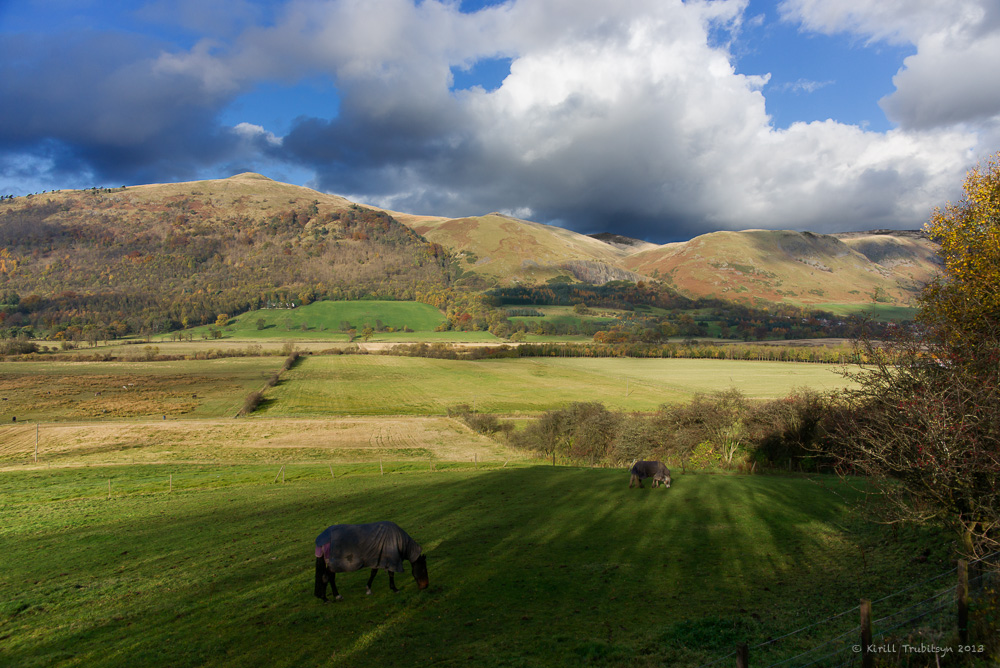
{"x": 351, "y": 547}
{"x": 655, "y": 470}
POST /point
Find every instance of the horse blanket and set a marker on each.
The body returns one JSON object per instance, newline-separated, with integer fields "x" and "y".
{"x": 351, "y": 547}
{"x": 655, "y": 470}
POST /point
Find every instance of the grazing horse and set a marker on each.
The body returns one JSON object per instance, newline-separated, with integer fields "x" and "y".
{"x": 344, "y": 548}
{"x": 655, "y": 470}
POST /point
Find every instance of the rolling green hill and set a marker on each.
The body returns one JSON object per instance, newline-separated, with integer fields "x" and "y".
{"x": 332, "y": 316}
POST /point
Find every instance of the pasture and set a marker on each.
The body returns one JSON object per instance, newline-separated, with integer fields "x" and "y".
{"x": 60, "y": 390}
{"x": 225, "y": 441}
{"x": 332, "y": 385}
{"x": 874, "y": 311}
{"x": 325, "y": 320}
{"x": 529, "y": 566}
{"x": 386, "y": 385}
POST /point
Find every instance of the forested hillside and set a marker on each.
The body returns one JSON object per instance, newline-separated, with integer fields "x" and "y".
{"x": 151, "y": 258}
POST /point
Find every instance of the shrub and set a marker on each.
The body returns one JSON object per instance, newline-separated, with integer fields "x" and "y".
{"x": 251, "y": 402}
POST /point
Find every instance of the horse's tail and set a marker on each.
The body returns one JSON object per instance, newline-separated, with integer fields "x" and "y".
{"x": 320, "y": 589}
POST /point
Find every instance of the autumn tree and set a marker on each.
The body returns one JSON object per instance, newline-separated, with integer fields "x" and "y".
{"x": 925, "y": 421}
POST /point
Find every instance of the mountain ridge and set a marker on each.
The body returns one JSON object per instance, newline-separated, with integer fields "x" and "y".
{"x": 187, "y": 251}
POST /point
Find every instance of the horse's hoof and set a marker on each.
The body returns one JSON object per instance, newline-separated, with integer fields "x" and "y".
{"x": 339, "y": 598}
{"x": 368, "y": 592}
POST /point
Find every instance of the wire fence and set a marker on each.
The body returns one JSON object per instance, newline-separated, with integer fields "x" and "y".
{"x": 922, "y": 618}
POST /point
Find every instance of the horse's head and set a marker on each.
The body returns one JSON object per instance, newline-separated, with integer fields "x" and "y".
{"x": 420, "y": 572}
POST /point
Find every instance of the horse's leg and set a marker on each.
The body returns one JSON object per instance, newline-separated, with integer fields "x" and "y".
{"x": 371, "y": 579}
{"x": 320, "y": 589}
{"x": 392, "y": 581}
{"x": 333, "y": 586}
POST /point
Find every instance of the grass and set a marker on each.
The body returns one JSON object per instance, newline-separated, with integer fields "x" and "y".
{"x": 323, "y": 320}
{"x": 879, "y": 312}
{"x": 225, "y": 441}
{"x": 529, "y": 566}
{"x": 61, "y": 390}
{"x": 566, "y": 315}
{"x": 375, "y": 384}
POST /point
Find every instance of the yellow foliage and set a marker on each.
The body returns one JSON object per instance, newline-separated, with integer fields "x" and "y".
{"x": 8, "y": 263}
{"x": 967, "y": 298}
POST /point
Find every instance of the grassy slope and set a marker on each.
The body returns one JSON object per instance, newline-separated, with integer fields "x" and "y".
{"x": 529, "y": 566}
{"x": 355, "y": 384}
{"x": 882, "y": 312}
{"x": 323, "y": 319}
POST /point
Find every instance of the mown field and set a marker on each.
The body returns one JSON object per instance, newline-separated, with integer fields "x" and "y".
{"x": 529, "y": 566}
{"x": 376, "y": 384}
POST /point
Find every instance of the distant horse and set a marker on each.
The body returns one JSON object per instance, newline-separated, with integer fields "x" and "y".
{"x": 655, "y": 470}
{"x": 344, "y": 548}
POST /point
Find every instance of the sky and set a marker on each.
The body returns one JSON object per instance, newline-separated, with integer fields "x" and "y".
{"x": 656, "y": 119}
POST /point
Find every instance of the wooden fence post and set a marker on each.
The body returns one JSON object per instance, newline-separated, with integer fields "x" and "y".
{"x": 380, "y": 469}
{"x": 867, "y": 660}
{"x": 36, "y": 442}
{"x": 962, "y": 594}
{"x": 331, "y": 472}
{"x": 171, "y": 488}
{"x": 742, "y": 656}
{"x": 109, "y": 489}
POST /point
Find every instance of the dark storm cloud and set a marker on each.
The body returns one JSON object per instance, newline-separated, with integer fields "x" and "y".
{"x": 625, "y": 117}
{"x": 100, "y": 104}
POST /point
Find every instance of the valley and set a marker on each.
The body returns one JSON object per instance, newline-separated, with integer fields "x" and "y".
{"x": 385, "y": 353}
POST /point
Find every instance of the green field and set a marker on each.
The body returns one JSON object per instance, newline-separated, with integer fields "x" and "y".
{"x": 324, "y": 319}
{"x": 529, "y": 566}
{"x": 880, "y": 312}
{"x": 376, "y": 384}
{"x": 322, "y": 385}
{"x": 565, "y": 314}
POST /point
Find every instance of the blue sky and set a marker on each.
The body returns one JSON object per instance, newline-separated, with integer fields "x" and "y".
{"x": 658, "y": 119}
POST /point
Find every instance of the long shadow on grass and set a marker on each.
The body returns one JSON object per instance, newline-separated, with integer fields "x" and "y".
{"x": 534, "y": 566}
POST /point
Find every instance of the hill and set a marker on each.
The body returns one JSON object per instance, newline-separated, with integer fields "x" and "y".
{"x": 800, "y": 268}
{"x": 794, "y": 267}
{"x": 165, "y": 255}
{"x": 162, "y": 256}
{"x": 510, "y": 251}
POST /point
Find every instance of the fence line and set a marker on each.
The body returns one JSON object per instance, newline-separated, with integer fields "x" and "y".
{"x": 942, "y": 600}
{"x": 804, "y": 628}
